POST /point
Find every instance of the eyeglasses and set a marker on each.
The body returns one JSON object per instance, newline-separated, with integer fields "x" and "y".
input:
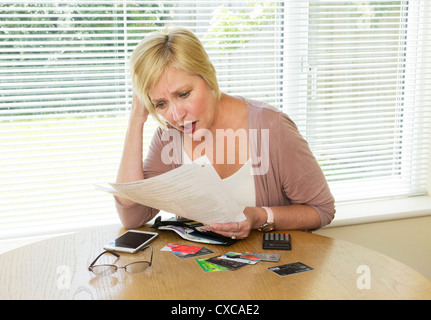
{"x": 108, "y": 269}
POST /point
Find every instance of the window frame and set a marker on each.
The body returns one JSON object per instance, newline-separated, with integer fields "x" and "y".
{"x": 295, "y": 78}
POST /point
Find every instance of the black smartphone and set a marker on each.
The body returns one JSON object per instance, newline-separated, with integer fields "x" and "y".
{"x": 131, "y": 241}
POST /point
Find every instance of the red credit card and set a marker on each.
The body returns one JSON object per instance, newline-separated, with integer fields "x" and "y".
{"x": 184, "y": 248}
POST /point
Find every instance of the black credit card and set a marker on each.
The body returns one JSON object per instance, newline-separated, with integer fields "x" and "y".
{"x": 290, "y": 268}
{"x": 229, "y": 264}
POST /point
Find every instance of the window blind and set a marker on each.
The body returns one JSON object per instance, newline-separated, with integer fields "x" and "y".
{"x": 366, "y": 109}
{"x": 351, "y": 75}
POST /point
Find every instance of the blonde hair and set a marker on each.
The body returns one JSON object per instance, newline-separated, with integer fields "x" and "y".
{"x": 172, "y": 47}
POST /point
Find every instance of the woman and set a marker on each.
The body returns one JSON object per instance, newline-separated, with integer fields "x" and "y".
{"x": 273, "y": 174}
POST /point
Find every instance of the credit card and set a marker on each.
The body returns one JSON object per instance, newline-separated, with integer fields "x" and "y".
{"x": 181, "y": 248}
{"x": 272, "y": 257}
{"x": 238, "y": 257}
{"x": 290, "y": 268}
{"x": 203, "y": 251}
{"x": 230, "y": 264}
{"x": 209, "y": 267}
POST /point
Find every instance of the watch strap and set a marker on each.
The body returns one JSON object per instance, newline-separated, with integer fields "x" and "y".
{"x": 270, "y": 214}
{"x": 269, "y": 224}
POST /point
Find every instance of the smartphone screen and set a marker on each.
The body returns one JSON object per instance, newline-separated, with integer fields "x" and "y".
{"x": 131, "y": 241}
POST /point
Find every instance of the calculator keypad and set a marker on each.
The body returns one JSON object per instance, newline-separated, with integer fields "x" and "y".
{"x": 277, "y": 241}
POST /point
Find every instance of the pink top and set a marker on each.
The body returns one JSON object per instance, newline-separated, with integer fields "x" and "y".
{"x": 285, "y": 170}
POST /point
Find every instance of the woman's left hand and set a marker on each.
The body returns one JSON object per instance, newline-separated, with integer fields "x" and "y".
{"x": 238, "y": 230}
{"x": 234, "y": 230}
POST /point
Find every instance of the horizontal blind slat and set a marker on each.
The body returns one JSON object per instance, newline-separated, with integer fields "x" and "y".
{"x": 351, "y": 76}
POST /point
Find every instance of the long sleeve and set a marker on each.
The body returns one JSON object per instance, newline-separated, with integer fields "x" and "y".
{"x": 136, "y": 215}
{"x": 303, "y": 180}
{"x": 291, "y": 173}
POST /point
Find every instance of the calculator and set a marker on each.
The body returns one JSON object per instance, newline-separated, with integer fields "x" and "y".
{"x": 277, "y": 241}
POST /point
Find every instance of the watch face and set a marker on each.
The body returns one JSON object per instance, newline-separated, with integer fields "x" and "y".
{"x": 267, "y": 227}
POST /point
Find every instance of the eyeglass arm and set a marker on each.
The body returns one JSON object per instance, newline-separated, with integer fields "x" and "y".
{"x": 151, "y": 258}
{"x": 113, "y": 253}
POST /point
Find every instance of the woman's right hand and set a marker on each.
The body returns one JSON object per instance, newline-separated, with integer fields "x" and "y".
{"x": 138, "y": 111}
{"x": 131, "y": 168}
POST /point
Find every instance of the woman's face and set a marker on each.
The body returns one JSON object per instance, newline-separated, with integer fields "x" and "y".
{"x": 185, "y": 101}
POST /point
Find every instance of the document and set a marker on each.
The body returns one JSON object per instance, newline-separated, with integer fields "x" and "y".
{"x": 194, "y": 191}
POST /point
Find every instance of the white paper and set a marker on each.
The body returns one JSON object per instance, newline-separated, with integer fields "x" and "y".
{"x": 194, "y": 191}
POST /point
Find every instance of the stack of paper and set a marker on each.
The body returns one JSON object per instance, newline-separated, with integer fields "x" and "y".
{"x": 194, "y": 191}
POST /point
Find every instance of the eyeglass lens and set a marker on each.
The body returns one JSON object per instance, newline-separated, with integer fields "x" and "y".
{"x": 136, "y": 267}
{"x": 104, "y": 270}
{"x": 107, "y": 269}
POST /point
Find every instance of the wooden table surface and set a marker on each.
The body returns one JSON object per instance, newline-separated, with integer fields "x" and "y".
{"x": 57, "y": 269}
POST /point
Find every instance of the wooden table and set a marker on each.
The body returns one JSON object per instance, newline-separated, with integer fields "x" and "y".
{"x": 57, "y": 269}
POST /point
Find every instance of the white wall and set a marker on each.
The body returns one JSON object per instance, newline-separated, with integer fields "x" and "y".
{"x": 406, "y": 240}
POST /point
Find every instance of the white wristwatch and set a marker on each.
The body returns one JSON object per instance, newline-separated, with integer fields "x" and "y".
{"x": 269, "y": 224}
